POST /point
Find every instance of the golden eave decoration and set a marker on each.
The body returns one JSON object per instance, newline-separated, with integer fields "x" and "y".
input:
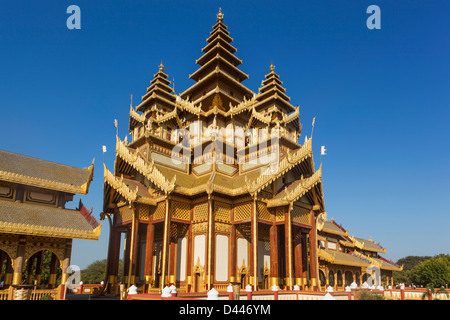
{"x": 68, "y": 233}
{"x": 146, "y": 168}
{"x": 292, "y": 159}
{"x": 48, "y": 184}
{"x": 131, "y": 195}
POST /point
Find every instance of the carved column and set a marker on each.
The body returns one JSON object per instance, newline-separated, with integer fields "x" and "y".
{"x": 126, "y": 257}
{"x": 210, "y": 245}
{"x": 18, "y": 262}
{"x": 172, "y": 254}
{"x": 233, "y": 251}
{"x": 313, "y": 252}
{"x": 39, "y": 257}
{"x": 149, "y": 243}
{"x": 165, "y": 249}
{"x": 254, "y": 246}
{"x": 53, "y": 271}
{"x": 298, "y": 259}
{"x": 273, "y": 256}
{"x": 190, "y": 252}
{"x": 66, "y": 261}
{"x": 288, "y": 251}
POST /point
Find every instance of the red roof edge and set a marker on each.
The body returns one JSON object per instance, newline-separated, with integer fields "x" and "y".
{"x": 88, "y": 215}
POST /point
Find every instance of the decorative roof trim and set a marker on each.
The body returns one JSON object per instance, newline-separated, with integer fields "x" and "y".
{"x": 148, "y": 169}
{"x": 68, "y": 233}
{"x": 49, "y": 184}
{"x": 299, "y": 191}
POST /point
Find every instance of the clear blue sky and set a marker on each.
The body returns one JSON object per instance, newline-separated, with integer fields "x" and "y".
{"x": 380, "y": 97}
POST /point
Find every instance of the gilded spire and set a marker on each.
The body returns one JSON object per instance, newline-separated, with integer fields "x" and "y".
{"x": 272, "y": 67}
{"x": 220, "y": 16}
{"x": 161, "y": 67}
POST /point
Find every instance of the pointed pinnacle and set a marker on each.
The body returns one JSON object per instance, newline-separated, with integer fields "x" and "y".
{"x": 220, "y": 15}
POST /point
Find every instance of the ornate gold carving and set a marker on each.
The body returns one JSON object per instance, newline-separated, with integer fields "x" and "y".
{"x": 322, "y": 254}
{"x": 321, "y": 221}
{"x": 43, "y": 183}
{"x": 160, "y": 211}
{"x": 136, "y": 116}
{"x": 299, "y": 191}
{"x": 222, "y": 211}
{"x": 201, "y": 211}
{"x": 284, "y": 166}
{"x": 222, "y": 227}
{"x": 300, "y": 215}
{"x": 242, "y": 211}
{"x": 143, "y": 212}
{"x": 181, "y": 211}
{"x": 146, "y": 168}
{"x": 263, "y": 212}
{"x": 370, "y": 259}
{"x": 21, "y": 228}
{"x": 120, "y": 186}
{"x": 199, "y": 227}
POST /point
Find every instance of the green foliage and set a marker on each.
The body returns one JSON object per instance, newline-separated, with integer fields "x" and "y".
{"x": 46, "y": 297}
{"x": 45, "y": 274}
{"x": 96, "y": 271}
{"x": 430, "y": 291}
{"x": 424, "y": 271}
{"x": 410, "y": 262}
{"x": 434, "y": 272}
{"x": 369, "y": 295}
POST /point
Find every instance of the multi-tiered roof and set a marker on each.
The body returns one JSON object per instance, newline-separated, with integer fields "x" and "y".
{"x": 216, "y": 114}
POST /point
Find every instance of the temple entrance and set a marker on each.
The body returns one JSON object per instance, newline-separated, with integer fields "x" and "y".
{"x": 322, "y": 278}
{"x": 5, "y": 269}
{"x": 339, "y": 278}
{"x": 43, "y": 270}
{"x": 331, "y": 279}
{"x": 348, "y": 278}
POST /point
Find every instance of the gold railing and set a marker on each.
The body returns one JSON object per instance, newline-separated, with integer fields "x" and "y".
{"x": 38, "y": 294}
{"x": 5, "y": 294}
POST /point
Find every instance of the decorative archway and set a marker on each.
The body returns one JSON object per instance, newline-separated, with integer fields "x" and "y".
{"x": 322, "y": 278}
{"x": 348, "y": 278}
{"x": 243, "y": 275}
{"x": 339, "y": 278}
{"x": 331, "y": 279}
{"x": 42, "y": 268}
{"x": 198, "y": 273}
{"x": 6, "y": 268}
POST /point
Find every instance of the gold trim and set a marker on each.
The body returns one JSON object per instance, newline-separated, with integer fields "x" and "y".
{"x": 21, "y": 228}
{"x": 148, "y": 169}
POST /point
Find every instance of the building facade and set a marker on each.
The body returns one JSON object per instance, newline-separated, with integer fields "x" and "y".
{"x": 214, "y": 187}
{"x": 33, "y": 218}
{"x": 345, "y": 259}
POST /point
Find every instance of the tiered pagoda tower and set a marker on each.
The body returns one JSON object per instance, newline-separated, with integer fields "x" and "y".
{"x": 213, "y": 187}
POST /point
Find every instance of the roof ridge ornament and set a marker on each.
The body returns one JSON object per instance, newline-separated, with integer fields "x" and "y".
{"x": 272, "y": 67}
{"x": 220, "y": 15}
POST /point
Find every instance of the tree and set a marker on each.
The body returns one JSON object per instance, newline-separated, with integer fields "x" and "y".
{"x": 96, "y": 271}
{"x": 433, "y": 272}
{"x": 410, "y": 273}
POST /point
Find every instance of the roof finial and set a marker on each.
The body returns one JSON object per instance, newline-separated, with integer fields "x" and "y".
{"x": 220, "y": 15}
{"x": 272, "y": 67}
{"x": 161, "y": 67}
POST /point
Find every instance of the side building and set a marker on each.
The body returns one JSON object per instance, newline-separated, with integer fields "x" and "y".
{"x": 345, "y": 259}
{"x": 33, "y": 218}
